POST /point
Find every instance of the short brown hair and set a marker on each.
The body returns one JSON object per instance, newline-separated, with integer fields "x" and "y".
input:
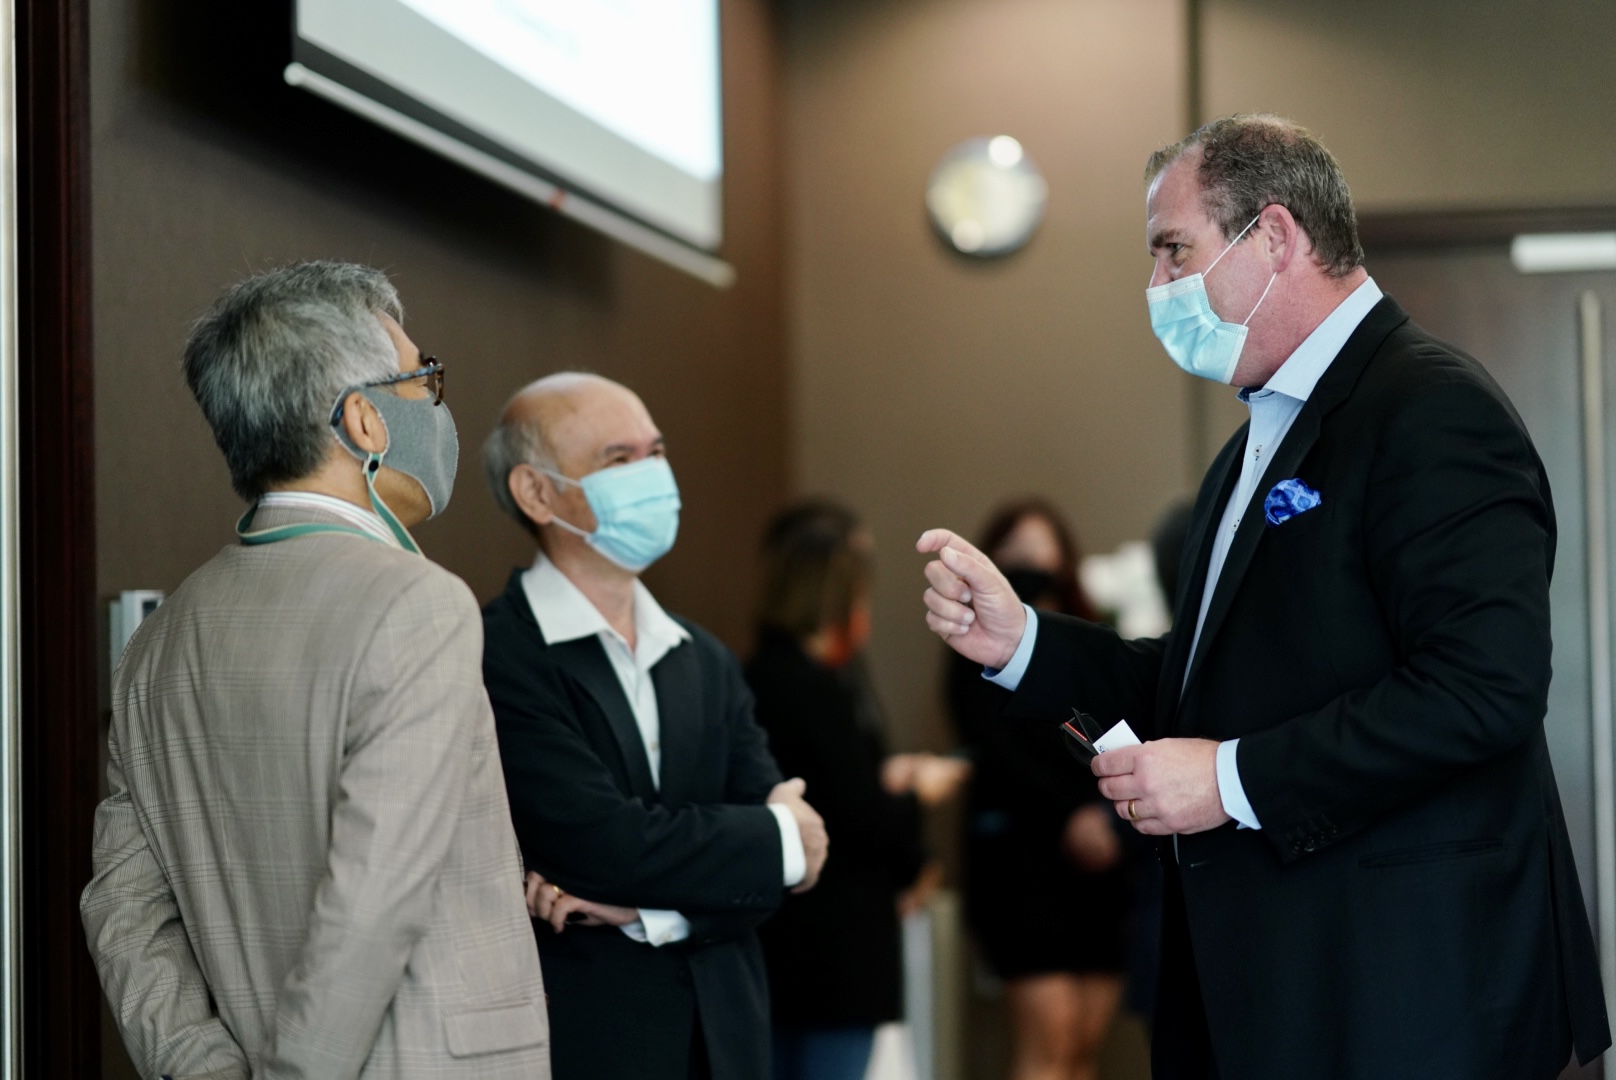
{"x": 816, "y": 564}
{"x": 1257, "y": 160}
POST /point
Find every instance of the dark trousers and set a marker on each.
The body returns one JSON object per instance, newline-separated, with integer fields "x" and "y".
{"x": 700, "y": 1065}
{"x": 1180, "y": 1045}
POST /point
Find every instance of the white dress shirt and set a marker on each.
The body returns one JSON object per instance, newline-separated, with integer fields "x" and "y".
{"x": 564, "y": 613}
{"x": 1274, "y": 409}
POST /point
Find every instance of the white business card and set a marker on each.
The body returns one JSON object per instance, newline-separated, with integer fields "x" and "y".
{"x": 1119, "y": 736}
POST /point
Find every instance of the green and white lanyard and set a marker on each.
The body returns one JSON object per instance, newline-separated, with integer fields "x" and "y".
{"x": 275, "y": 535}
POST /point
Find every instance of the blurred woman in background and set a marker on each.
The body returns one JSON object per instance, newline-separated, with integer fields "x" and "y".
{"x": 1046, "y": 894}
{"x": 834, "y": 953}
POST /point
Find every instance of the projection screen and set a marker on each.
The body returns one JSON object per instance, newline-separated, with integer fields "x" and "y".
{"x": 608, "y": 110}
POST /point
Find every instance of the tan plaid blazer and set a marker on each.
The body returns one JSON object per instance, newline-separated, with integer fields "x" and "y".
{"x": 306, "y": 867}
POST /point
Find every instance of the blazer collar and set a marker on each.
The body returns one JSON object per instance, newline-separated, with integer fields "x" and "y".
{"x": 1333, "y": 388}
{"x": 584, "y": 660}
{"x": 279, "y": 508}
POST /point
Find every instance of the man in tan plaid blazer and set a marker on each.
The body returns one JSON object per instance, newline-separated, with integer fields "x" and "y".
{"x": 305, "y": 866}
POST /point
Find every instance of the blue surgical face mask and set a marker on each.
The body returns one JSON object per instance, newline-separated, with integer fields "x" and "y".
{"x": 636, "y": 511}
{"x": 1191, "y": 332}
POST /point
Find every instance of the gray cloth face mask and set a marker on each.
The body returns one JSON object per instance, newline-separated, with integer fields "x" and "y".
{"x": 421, "y": 441}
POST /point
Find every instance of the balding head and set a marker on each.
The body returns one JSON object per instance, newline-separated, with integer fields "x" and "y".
{"x": 571, "y": 423}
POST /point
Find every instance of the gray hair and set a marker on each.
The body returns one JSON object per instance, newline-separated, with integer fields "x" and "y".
{"x": 510, "y": 444}
{"x": 1257, "y": 160}
{"x": 272, "y": 355}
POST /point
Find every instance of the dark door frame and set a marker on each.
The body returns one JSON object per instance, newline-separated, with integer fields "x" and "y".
{"x": 1454, "y": 228}
{"x": 61, "y": 1009}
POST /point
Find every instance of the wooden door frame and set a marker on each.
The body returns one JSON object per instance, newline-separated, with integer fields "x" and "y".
{"x": 1402, "y": 230}
{"x": 57, "y": 636}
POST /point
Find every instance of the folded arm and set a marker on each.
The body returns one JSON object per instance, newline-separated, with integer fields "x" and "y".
{"x": 579, "y": 829}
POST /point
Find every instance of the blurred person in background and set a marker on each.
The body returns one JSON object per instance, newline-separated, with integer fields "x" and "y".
{"x": 834, "y": 955}
{"x": 1046, "y": 889}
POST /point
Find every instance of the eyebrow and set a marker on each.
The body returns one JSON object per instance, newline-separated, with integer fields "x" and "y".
{"x": 1165, "y": 236}
{"x": 660, "y": 442}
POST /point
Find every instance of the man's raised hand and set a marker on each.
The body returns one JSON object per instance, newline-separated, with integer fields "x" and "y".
{"x": 970, "y": 605}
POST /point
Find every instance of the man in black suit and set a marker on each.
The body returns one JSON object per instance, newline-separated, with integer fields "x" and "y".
{"x": 1368, "y": 874}
{"x": 653, "y": 819}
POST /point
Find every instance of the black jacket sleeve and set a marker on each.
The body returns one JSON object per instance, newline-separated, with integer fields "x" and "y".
{"x": 1076, "y": 663}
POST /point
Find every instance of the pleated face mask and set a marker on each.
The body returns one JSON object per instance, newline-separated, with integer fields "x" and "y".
{"x": 636, "y": 510}
{"x": 1191, "y": 332}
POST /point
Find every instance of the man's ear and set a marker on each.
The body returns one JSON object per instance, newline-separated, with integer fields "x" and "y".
{"x": 1284, "y": 239}
{"x": 364, "y": 426}
{"x": 531, "y": 489}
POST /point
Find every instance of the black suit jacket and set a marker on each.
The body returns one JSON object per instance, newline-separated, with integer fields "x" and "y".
{"x": 835, "y": 953}
{"x": 1410, "y": 907}
{"x": 589, "y": 819}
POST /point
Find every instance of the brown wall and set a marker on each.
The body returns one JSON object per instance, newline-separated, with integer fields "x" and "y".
{"x": 1432, "y": 105}
{"x": 203, "y": 173}
{"x": 925, "y": 387}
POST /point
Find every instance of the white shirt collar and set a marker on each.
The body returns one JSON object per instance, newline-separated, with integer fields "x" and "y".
{"x": 1302, "y": 370}
{"x": 564, "y": 613}
{"x": 357, "y": 516}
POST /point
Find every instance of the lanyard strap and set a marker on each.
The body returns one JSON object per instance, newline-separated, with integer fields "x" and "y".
{"x": 250, "y": 536}
{"x": 373, "y": 462}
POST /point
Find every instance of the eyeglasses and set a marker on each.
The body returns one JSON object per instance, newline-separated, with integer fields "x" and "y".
{"x": 431, "y": 370}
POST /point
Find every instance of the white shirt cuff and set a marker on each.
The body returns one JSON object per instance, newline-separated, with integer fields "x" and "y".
{"x": 656, "y": 927}
{"x": 795, "y": 859}
{"x": 1010, "y": 675}
{"x": 1231, "y": 791}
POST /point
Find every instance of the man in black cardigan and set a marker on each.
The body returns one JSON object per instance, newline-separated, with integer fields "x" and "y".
{"x": 654, "y": 822}
{"x": 1368, "y": 873}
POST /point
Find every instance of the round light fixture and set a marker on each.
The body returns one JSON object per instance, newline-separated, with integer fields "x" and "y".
{"x": 986, "y": 197}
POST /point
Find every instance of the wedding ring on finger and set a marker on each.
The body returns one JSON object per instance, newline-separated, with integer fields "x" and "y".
{"x": 559, "y": 894}
{"x": 1133, "y": 814}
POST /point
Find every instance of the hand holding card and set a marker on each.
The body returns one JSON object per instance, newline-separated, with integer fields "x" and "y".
{"x": 1084, "y": 740}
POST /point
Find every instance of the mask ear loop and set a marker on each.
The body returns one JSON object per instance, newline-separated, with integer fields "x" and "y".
{"x": 373, "y": 464}
{"x": 567, "y": 525}
{"x": 1263, "y": 297}
{"x": 1232, "y": 243}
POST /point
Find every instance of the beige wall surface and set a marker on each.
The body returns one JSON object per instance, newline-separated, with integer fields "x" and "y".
{"x": 925, "y": 387}
{"x": 199, "y": 180}
{"x": 1440, "y": 104}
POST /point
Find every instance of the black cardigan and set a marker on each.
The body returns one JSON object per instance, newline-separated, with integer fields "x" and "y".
{"x": 589, "y": 819}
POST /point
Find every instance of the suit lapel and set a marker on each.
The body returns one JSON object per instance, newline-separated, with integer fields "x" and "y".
{"x": 1299, "y": 440}
{"x": 1203, "y": 530}
{"x": 677, "y": 677}
{"x": 585, "y": 660}
{"x": 1332, "y": 389}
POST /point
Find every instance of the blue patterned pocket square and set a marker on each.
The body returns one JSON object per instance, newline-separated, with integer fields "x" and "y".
{"x": 1289, "y": 498}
